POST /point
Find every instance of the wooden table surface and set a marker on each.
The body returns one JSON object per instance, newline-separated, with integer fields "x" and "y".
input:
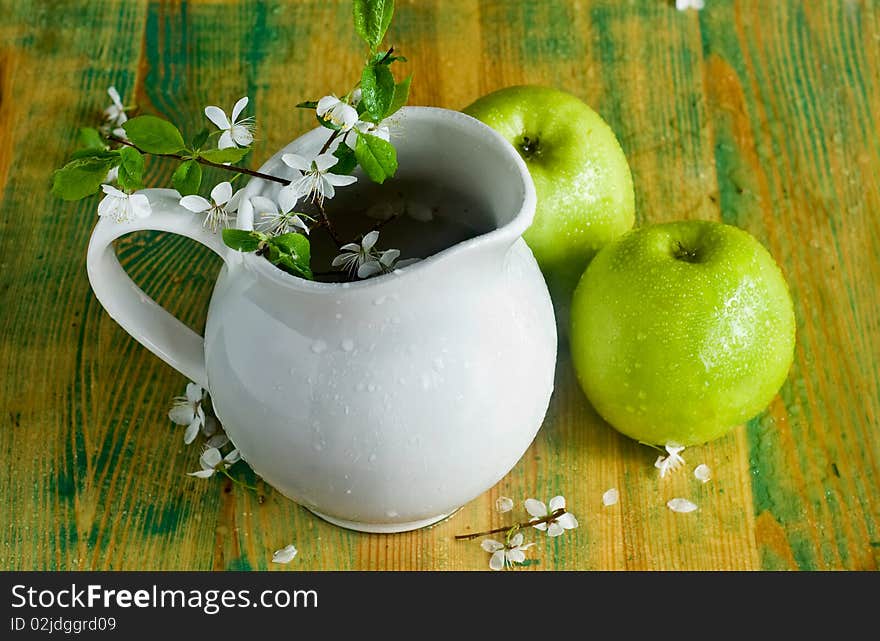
{"x": 760, "y": 114}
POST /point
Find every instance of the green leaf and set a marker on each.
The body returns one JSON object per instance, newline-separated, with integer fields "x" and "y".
{"x": 347, "y": 161}
{"x": 199, "y": 139}
{"x": 292, "y": 253}
{"x": 131, "y": 169}
{"x": 377, "y": 86}
{"x": 401, "y": 95}
{"x": 377, "y": 157}
{"x": 187, "y": 178}
{"x": 308, "y": 104}
{"x": 371, "y": 19}
{"x": 243, "y": 241}
{"x": 80, "y": 177}
{"x": 90, "y": 138}
{"x": 154, "y": 135}
{"x": 230, "y": 154}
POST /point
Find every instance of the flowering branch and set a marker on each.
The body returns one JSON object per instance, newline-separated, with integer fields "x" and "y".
{"x": 204, "y": 161}
{"x": 111, "y": 159}
{"x": 512, "y": 529}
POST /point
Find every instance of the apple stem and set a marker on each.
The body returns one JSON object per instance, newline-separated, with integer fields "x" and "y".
{"x": 555, "y": 514}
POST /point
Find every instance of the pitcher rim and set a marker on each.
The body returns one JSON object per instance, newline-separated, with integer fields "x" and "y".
{"x": 508, "y": 232}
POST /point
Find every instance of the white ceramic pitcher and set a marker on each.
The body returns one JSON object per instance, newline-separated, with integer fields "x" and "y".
{"x": 381, "y": 405}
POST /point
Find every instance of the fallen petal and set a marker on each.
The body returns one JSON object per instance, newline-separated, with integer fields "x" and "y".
{"x": 285, "y": 554}
{"x": 681, "y": 505}
{"x": 504, "y": 504}
{"x": 702, "y": 472}
{"x": 610, "y": 497}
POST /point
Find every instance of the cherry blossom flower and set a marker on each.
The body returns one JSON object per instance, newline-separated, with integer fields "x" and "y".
{"x": 681, "y": 505}
{"x": 369, "y": 128}
{"x": 316, "y": 181}
{"x": 354, "y": 256}
{"x": 187, "y": 410}
{"x": 504, "y": 504}
{"x": 683, "y": 5}
{"x": 278, "y": 219}
{"x": 217, "y": 211}
{"x": 337, "y": 111}
{"x": 236, "y": 133}
{"x": 672, "y": 461}
{"x": 285, "y": 554}
{"x": 506, "y": 554}
{"x": 610, "y": 497}
{"x": 554, "y": 527}
{"x": 702, "y": 472}
{"x": 212, "y": 460}
{"x": 115, "y": 114}
{"x": 123, "y": 207}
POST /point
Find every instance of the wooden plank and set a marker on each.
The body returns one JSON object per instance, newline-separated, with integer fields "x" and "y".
{"x": 758, "y": 114}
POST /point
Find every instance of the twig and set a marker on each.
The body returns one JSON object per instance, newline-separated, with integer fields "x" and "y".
{"x": 546, "y": 519}
{"x": 203, "y": 161}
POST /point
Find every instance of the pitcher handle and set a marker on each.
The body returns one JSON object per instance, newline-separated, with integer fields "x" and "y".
{"x": 128, "y": 305}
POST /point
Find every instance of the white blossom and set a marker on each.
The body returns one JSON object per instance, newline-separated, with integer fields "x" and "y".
{"x": 683, "y": 5}
{"x": 212, "y": 460}
{"x": 123, "y": 207}
{"x": 610, "y": 497}
{"x": 702, "y": 472}
{"x": 115, "y": 114}
{"x": 672, "y": 461}
{"x": 218, "y": 210}
{"x": 681, "y": 505}
{"x": 504, "y": 504}
{"x": 338, "y": 112}
{"x": 371, "y": 129}
{"x": 277, "y": 219}
{"x": 285, "y": 554}
{"x": 315, "y": 181}
{"x": 554, "y": 527}
{"x": 504, "y": 555}
{"x": 187, "y": 410}
{"x": 236, "y": 133}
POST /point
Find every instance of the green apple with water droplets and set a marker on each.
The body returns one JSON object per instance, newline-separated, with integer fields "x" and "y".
{"x": 681, "y": 331}
{"x": 582, "y": 179}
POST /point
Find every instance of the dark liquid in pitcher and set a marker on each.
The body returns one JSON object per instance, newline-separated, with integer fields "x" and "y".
{"x": 453, "y": 218}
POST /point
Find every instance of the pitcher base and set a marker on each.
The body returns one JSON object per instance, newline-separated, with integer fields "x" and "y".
{"x": 382, "y": 528}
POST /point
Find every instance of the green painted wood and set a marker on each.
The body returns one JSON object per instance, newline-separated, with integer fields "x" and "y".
{"x": 758, "y": 114}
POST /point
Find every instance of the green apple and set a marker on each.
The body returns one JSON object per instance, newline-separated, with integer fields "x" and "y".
{"x": 582, "y": 179}
{"x": 681, "y": 331}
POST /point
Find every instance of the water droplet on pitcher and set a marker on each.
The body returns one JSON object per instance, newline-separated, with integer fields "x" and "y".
{"x": 391, "y": 514}
{"x": 426, "y": 381}
{"x": 348, "y": 491}
{"x": 372, "y": 457}
{"x": 643, "y": 394}
{"x": 438, "y": 363}
{"x": 360, "y": 387}
{"x": 338, "y": 316}
{"x": 347, "y": 345}
{"x": 379, "y": 300}
{"x": 371, "y": 388}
